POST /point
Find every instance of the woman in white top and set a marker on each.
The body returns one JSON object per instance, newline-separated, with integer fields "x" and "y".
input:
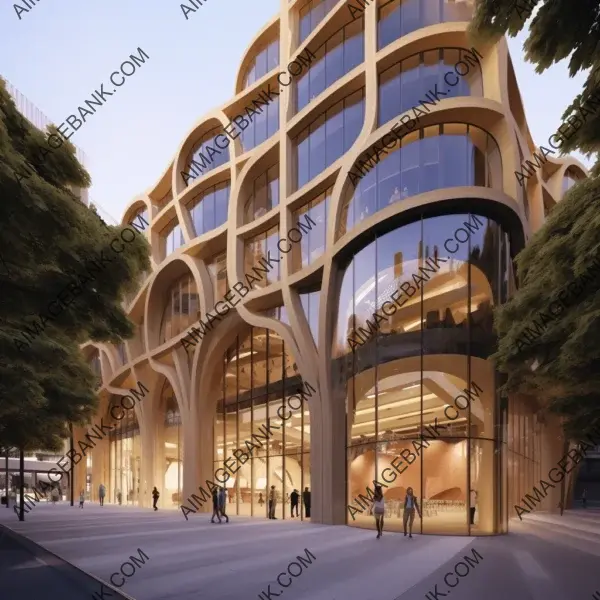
{"x": 378, "y": 510}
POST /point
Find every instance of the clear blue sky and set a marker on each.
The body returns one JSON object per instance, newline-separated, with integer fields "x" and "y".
{"x": 62, "y": 50}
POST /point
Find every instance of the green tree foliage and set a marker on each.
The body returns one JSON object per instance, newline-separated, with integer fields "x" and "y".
{"x": 562, "y": 365}
{"x": 48, "y": 239}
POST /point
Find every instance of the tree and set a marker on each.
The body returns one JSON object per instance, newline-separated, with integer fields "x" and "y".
{"x": 561, "y": 362}
{"x": 51, "y": 244}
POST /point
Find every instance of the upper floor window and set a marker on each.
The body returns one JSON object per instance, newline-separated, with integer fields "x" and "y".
{"x": 266, "y": 60}
{"x": 209, "y": 209}
{"x": 200, "y": 160}
{"x": 262, "y": 126}
{"x": 312, "y": 13}
{"x": 405, "y": 85}
{"x": 164, "y": 200}
{"x": 95, "y": 364}
{"x": 569, "y": 180}
{"x": 218, "y": 274}
{"x": 122, "y": 353}
{"x": 436, "y": 157}
{"x": 257, "y": 249}
{"x": 312, "y": 244}
{"x": 141, "y": 219}
{"x": 343, "y": 51}
{"x": 265, "y": 195}
{"x": 182, "y": 308}
{"x": 173, "y": 239}
{"x": 330, "y": 135}
{"x": 401, "y": 17}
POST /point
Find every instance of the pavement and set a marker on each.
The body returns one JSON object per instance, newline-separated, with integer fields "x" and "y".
{"x": 544, "y": 557}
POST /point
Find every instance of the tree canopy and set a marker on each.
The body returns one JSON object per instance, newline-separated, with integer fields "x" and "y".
{"x": 560, "y": 363}
{"x": 51, "y": 247}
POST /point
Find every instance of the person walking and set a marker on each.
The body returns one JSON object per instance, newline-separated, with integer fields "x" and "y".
{"x": 306, "y": 500}
{"x": 378, "y": 509}
{"x": 223, "y": 503}
{"x": 294, "y": 499}
{"x": 473, "y": 502}
{"x": 410, "y": 504}
{"x": 272, "y": 502}
{"x": 81, "y": 498}
{"x": 215, "y": 501}
{"x": 155, "y": 497}
{"x": 261, "y": 500}
{"x": 584, "y": 498}
{"x": 101, "y": 494}
{"x": 54, "y": 495}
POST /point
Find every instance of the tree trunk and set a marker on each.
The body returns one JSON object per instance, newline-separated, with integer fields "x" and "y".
{"x": 22, "y": 483}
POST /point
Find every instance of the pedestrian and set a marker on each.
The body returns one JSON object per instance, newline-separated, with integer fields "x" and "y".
{"x": 223, "y": 503}
{"x": 306, "y": 500}
{"x": 119, "y": 497}
{"x": 101, "y": 494}
{"x": 272, "y": 502}
{"x": 410, "y": 504}
{"x": 54, "y": 495}
{"x": 294, "y": 498}
{"x": 215, "y": 501}
{"x": 81, "y": 498}
{"x": 584, "y": 498}
{"x": 155, "y": 497}
{"x": 378, "y": 509}
{"x": 261, "y": 500}
{"x": 473, "y": 499}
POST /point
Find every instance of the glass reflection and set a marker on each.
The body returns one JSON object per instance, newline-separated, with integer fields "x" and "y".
{"x": 208, "y": 210}
{"x": 312, "y": 243}
{"x": 255, "y": 384}
{"x": 256, "y": 252}
{"x": 266, "y": 60}
{"x": 182, "y": 308}
{"x": 264, "y": 196}
{"x": 173, "y": 239}
{"x": 262, "y": 126}
{"x": 173, "y": 448}
{"x": 205, "y": 156}
{"x": 311, "y": 14}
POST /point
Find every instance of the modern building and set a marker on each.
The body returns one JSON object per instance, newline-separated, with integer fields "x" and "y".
{"x": 424, "y": 235}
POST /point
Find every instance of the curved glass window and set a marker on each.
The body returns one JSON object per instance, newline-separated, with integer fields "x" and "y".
{"x": 209, "y": 209}
{"x": 205, "y": 156}
{"x": 266, "y": 60}
{"x": 217, "y": 269}
{"x": 265, "y": 195}
{"x": 330, "y": 135}
{"x": 262, "y": 126}
{"x": 569, "y": 180}
{"x": 173, "y": 239}
{"x": 401, "y": 17}
{"x": 141, "y": 219}
{"x": 173, "y": 449}
{"x": 256, "y": 252}
{"x": 406, "y": 84}
{"x": 436, "y": 157}
{"x": 343, "y": 51}
{"x": 312, "y": 13}
{"x": 312, "y": 243}
{"x": 433, "y": 283}
{"x": 182, "y": 308}
{"x": 258, "y": 374}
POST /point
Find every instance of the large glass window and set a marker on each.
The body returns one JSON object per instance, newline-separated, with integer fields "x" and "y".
{"x": 172, "y": 453}
{"x": 209, "y": 209}
{"x": 312, "y": 244}
{"x": 258, "y": 377}
{"x": 343, "y": 51}
{"x": 266, "y": 60}
{"x": 218, "y": 274}
{"x": 205, "y": 156}
{"x": 255, "y": 257}
{"x": 401, "y": 17}
{"x": 436, "y": 157}
{"x": 141, "y": 219}
{"x": 312, "y": 13}
{"x": 182, "y": 308}
{"x": 173, "y": 239}
{"x": 262, "y": 125}
{"x": 264, "y": 196}
{"x": 330, "y": 135}
{"x": 424, "y": 369}
{"x": 569, "y": 180}
{"x": 405, "y": 84}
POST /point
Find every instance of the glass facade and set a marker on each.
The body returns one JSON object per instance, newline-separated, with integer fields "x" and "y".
{"x": 401, "y": 17}
{"x": 328, "y": 137}
{"x": 436, "y": 157}
{"x": 255, "y": 250}
{"x": 311, "y": 14}
{"x": 209, "y": 209}
{"x": 262, "y": 127}
{"x": 173, "y": 239}
{"x": 410, "y": 371}
{"x": 173, "y": 448}
{"x": 312, "y": 243}
{"x": 182, "y": 308}
{"x": 405, "y": 84}
{"x": 258, "y": 376}
{"x": 264, "y": 195}
{"x": 343, "y": 51}
{"x": 205, "y": 156}
{"x": 266, "y": 60}
{"x": 125, "y": 456}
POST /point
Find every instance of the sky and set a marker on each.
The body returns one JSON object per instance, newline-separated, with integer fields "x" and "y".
{"x": 60, "y": 51}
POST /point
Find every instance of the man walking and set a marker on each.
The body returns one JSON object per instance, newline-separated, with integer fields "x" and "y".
{"x": 215, "y": 502}
{"x": 155, "y": 497}
{"x": 101, "y": 494}
{"x": 223, "y": 503}
{"x": 272, "y": 502}
{"x": 306, "y": 500}
{"x": 294, "y": 498}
